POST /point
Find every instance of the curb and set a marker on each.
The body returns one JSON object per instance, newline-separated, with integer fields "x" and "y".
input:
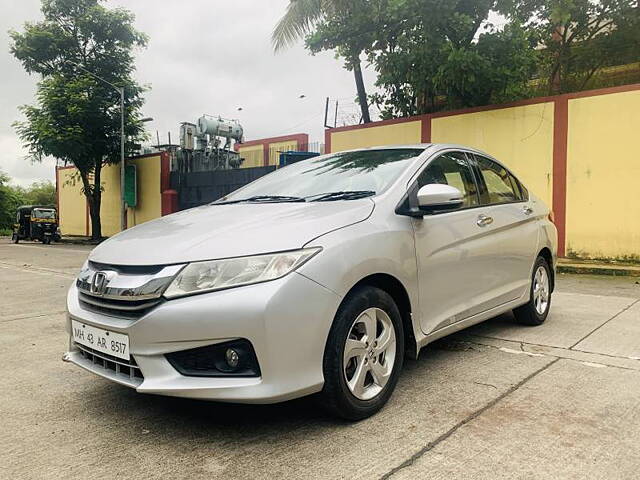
{"x": 598, "y": 269}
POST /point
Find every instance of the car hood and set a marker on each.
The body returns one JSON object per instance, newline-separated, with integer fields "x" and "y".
{"x": 222, "y": 231}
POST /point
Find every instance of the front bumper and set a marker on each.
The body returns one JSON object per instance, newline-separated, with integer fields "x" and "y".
{"x": 287, "y": 322}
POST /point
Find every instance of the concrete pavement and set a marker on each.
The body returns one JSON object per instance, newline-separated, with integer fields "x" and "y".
{"x": 495, "y": 401}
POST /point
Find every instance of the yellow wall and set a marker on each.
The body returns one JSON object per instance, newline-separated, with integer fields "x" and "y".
{"x": 396, "y": 133}
{"x": 149, "y": 194}
{"x": 110, "y": 205}
{"x": 603, "y": 161}
{"x": 72, "y": 204}
{"x": 520, "y": 137}
{"x": 253, "y": 156}
{"x": 603, "y": 176}
{"x": 277, "y": 147}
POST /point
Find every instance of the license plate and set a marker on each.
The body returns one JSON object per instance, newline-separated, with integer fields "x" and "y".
{"x": 104, "y": 341}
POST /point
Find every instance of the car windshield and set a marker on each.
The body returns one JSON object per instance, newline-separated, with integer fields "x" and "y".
{"x": 40, "y": 213}
{"x": 341, "y": 176}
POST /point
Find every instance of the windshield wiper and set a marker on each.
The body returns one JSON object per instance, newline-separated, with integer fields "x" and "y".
{"x": 263, "y": 199}
{"x": 343, "y": 195}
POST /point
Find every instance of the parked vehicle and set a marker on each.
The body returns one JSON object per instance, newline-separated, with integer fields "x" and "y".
{"x": 35, "y": 222}
{"x": 318, "y": 278}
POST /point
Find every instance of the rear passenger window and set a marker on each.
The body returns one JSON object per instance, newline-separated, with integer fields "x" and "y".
{"x": 502, "y": 187}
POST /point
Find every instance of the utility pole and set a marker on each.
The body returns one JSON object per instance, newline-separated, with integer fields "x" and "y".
{"x": 326, "y": 114}
{"x": 123, "y": 203}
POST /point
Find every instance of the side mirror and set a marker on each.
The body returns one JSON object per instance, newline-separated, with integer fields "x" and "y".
{"x": 436, "y": 196}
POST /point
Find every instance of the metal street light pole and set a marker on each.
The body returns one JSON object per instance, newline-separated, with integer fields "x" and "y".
{"x": 123, "y": 203}
{"x": 120, "y": 90}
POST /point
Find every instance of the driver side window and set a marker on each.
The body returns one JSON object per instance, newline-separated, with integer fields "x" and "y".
{"x": 452, "y": 168}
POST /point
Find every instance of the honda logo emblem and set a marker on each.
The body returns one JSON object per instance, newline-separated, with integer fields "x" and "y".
{"x": 99, "y": 283}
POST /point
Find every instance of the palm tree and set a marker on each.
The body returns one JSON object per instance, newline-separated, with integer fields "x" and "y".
{"x": 298, "y": 21}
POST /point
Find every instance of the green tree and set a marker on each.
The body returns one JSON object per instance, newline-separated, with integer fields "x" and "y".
{"x": 77, "y": 117}
{"x": 433, "y": 55}
{"x": 579, "y": 37}
{"x": 430, "y": 54}
{"x": 39, "y": 193}
{"x": 10, "y": 200}
{"x": 301, "y": 18}
{"x": 495, "y": 69}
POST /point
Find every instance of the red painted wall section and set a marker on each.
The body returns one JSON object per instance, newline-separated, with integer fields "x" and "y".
{"x": 327, "y": 140}
{"x": 560, "y": 128}
{"x": 169, "y": 197}
{"x": 426, "y": 129}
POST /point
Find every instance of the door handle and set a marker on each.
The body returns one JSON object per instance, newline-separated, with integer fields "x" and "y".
{"x": 484, "y": 220}
{"x": 527, "y": 210}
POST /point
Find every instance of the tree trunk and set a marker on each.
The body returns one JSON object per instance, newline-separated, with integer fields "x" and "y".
{"x": 93, "y": 196}
{"x": 555, "y": 79}
{"x": 362, "y": 94}
{"x": 96, "y": 223}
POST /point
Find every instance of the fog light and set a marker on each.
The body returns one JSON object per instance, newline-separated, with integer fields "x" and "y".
{"x": 235, "y": 358}
{"x": 232, "y": 358}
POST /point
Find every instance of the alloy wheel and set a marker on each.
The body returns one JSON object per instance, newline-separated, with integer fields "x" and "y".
{"x": 369, "y": 353}
{"x": 541, "y": 290}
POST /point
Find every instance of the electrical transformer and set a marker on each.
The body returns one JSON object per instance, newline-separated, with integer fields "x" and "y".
{"x": 207, "y": 144}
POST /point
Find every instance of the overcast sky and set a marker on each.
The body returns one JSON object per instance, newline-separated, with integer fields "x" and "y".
{"x": 203, "y": 57}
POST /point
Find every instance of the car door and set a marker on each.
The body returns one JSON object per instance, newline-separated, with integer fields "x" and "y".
{"x": 512, "y": 229}
{"x": 452, "y": 251}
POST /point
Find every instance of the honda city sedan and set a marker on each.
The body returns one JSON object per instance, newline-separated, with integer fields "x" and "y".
{"x": 319, "y": 278}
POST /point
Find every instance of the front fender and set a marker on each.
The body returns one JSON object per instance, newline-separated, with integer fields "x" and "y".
{"x": 355, "y": 252}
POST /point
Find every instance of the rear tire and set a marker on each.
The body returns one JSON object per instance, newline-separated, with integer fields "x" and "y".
{"x": 535, "y": 311}
{"x": 364, "y": 354}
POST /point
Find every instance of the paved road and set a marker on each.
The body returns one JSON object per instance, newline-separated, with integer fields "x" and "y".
{"x": 496, "y": 401}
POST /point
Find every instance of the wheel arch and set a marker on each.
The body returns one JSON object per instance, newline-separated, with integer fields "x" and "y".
{"x": 398, "y": 292}
{"x": 546, "y": 254}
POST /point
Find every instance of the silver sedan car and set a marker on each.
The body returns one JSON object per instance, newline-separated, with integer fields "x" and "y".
{"x": 319, "y": 278}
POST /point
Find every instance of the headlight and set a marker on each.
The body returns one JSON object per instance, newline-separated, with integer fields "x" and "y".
{"x": 199, "y": 277}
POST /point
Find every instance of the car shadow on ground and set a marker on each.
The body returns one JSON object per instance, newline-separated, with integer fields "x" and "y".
{"x": 182, "y": 416}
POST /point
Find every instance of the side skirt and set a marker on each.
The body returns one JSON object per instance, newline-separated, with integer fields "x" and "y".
{"x": 467, "y": 322}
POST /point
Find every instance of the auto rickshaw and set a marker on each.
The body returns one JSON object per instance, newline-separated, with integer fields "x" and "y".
{"x": 36, "y": 222}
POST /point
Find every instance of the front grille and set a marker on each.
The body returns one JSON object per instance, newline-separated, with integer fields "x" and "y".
{"x": 123, "y": 291}
{"x": 117, "y": 308}
{"x": 126, "y": 368}
{"x": 127, "y": 269}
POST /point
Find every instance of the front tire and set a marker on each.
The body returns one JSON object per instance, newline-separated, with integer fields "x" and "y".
{"x": 15, "y": 238}
{"x": 535, "y": 311}
{"x": 364, "y": 354}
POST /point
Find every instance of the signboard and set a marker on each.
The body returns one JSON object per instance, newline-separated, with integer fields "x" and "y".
{"x": 130, "y": 186}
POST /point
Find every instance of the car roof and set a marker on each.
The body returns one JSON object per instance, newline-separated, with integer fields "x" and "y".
{"x": 436, "y": 147}
{"x": 423, "y": 146}
{"x": 31, "y": 207}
